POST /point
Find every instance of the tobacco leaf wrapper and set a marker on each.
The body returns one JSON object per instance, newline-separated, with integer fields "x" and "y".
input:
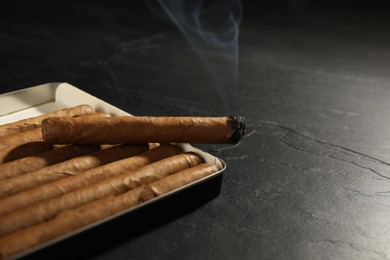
{"x": 67, "y": 168}
{"x": 42, "y": 204}
{"x": 42, "y": 160}
{"x": 34, "y": 122}
{"x": 35, "y": 135}
{"x": 85, "y": 178}
{"x": 71, "y": 220}
{"x": 128, "y": 129}
{"x": 113, "y": 186}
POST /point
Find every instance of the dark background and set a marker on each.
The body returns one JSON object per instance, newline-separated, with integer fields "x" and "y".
{"x": 310, "y": 180}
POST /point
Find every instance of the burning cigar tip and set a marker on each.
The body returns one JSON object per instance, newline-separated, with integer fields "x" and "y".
{"x": 238, "y": 127}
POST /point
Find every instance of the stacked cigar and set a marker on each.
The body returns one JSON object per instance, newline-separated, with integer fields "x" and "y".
{"x": 70, "y": 168}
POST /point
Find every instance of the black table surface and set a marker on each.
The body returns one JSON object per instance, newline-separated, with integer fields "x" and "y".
{"x": 311, "y": 177}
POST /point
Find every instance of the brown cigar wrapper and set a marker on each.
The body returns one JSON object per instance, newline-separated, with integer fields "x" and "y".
{"x": 130, "y": 129}
{"x": 82, "y": 179}
{"x": 18, "y": 129}
{"x": 42, "y": 160}
{"x": 67, "y": 168}
{"x": 116, "y": 185}
{"x": 31, "y": 141}
{"x": 182, "y": 178}
{"x": 35, "y": 135}
{"x": 71, "y": 220}
{"x": 34, "y": 122}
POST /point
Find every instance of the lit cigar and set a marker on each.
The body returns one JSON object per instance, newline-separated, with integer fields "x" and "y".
{"x": 127, "y": 129}
{"x": 73, "y": 219}
{"x": 34, "y": 122}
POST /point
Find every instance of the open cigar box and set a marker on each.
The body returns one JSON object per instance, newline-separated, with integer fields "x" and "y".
{"x": 33, "y": 101}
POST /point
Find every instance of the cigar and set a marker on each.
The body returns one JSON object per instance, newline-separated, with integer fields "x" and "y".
{"x": 182, "y": 178}
{"x": 34, "y": 122}
{"x": 113, "y": 186}
{"x": 68, "y": 168}
{"x": 74, "y": 219}
{"x": 85, "y": 178}
{"x": 35, "y": 162}
{"x": 35, "y": 135}
{"x": 18, "y": 129}
{"x": 67, "y": 222}
{"x": 19, "y": 151}
{"x": 128, "y": 129}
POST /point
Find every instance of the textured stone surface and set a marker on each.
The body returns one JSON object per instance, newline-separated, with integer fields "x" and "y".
{"x": 311, "y": 178}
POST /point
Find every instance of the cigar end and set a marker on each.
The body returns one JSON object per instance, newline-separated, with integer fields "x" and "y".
{"x": 53, "y": 127}
{"x": 238, "y": 128}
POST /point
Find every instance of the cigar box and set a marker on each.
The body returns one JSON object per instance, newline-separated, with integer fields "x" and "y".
{"x": 127, "y": 224}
